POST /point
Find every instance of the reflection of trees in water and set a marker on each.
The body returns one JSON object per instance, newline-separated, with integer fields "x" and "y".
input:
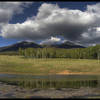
{"x": 52, "y": 83}
{"x": 60, "y": 84}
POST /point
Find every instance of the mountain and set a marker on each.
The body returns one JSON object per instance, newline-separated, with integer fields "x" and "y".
{"x": 69, "y": 45}
{"x": 16, "y": 46}
{"x": 66, "y": 45}
{"x": 26, "y": 44}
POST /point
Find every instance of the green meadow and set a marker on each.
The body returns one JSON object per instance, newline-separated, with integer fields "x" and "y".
{"x": 19, "y": 65}
{"x": 47, "y": 66}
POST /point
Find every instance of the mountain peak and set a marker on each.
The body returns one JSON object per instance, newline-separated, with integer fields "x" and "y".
{"x": 69, "y": 43}
{"x": 25, "y": 41}
{"x": 21, "y": 44}
{"x": 31, "y": 44}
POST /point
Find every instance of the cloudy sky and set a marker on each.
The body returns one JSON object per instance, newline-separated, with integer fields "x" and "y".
{"x": 50, "y": 22}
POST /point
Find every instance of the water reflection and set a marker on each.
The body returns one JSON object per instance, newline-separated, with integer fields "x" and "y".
{"x": 61, "y": 84}
{"x": 53, "y": 81}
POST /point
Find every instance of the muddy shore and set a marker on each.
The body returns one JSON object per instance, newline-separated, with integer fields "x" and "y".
{"x": 11, "y": 91}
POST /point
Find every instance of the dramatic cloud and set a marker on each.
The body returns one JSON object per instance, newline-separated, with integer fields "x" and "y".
{"x": 52, "y": 21}
{"x": 52, "y": 40}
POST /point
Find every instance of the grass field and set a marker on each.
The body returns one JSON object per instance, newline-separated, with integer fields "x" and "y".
{"x": 21, "y": 65}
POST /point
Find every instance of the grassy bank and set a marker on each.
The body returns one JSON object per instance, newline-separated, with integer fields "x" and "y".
{"x": 21, "y": 65}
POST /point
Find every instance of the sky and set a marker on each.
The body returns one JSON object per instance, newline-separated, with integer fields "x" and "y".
{"x": 50, "y": 22}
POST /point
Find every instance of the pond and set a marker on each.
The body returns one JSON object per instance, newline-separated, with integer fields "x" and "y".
{"x": 52, "y": 81}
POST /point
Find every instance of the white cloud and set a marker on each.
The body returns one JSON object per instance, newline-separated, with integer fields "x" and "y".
{"x": 51, "y": 20}
{"x": 52, "y": 40}
{"x": 8, "y": 9}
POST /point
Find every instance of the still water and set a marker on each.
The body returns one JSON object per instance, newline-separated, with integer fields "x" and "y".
{"x": 52, "y": 81}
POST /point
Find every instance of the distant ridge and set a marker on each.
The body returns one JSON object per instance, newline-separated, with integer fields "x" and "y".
{"x": 66, "y": 45}
{"x": 26, "y": 44}
{"x": 16, "y": 46}
{"x": 69, "y": 45}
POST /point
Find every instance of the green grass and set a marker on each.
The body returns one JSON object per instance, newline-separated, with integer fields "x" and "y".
{"x": 10, "y": 53}
{"x": 21, "y": 65}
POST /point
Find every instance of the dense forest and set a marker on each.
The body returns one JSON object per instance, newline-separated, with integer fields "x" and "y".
{"x": 92, "y": 52}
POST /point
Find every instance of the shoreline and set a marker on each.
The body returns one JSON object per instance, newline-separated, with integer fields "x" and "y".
{"x": 59, "y": 73}
{"x": 12, "y": 91}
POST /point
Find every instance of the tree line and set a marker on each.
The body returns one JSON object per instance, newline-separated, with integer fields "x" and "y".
{"x": 92, "y": 52}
